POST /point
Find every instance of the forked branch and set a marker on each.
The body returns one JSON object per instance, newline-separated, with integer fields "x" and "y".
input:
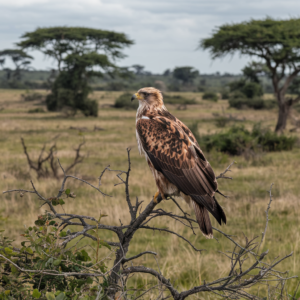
{"x": 44, "y": 162}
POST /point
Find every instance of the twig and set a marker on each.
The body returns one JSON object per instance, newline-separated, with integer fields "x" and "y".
{"x": 226, "y": 170}
{"x": 137, "y": 256}
{"x": 267, "y": 218}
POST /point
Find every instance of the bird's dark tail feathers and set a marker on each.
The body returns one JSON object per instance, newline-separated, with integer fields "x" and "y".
{"x": 202, "y": 215}
{"x": 203, "y": 219}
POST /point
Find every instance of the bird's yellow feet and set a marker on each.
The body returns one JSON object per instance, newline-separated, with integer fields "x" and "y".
{"x": 155, "y": 197}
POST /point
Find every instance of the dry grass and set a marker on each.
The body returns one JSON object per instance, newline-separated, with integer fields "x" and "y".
{"x": 245, "y": 207}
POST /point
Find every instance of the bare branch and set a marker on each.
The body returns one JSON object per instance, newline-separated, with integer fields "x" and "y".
{"x": 222, "y": 175}
{"x": 172, "y": 232}
{"x": 267, "y": 218}
{"x": 137, "y": 256}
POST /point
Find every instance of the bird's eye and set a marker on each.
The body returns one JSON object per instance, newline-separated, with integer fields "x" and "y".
{"x": 146, "y": 94}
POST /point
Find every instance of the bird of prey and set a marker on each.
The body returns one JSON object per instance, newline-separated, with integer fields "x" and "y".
{"x": 175, "y": 159}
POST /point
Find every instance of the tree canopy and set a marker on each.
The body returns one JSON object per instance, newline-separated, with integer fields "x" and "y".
{"x": 186, "y": 74}
{"x": 276, "y": 42}
{"x": 20, "y": 59}
{"x": 81, "y": 54}
{"x": 59, "y": 42}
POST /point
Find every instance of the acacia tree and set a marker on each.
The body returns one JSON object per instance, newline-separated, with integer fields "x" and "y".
{"x": 20, "y": 59}
{"x": 275, "y": 42}
{"x": 186, "y": 74}
{"x": 81, "y": 54}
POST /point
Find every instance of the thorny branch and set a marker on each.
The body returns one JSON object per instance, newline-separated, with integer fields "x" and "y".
{"x": 232, "y": 286}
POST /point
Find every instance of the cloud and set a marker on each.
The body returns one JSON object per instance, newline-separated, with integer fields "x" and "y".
{"x": 166, "y": 32}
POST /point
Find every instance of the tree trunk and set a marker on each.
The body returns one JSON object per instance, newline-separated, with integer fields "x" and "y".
{"x": 283, "y": 112}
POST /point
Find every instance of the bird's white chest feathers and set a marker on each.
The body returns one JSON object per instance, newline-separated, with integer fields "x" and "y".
{"x": 138, "y": 117}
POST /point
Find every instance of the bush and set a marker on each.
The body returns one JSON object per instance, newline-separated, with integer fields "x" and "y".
{"x": 115, "y": 86}
{"x": 271, "y": 141}
{"x": 36, "y": 110}
{"x": 89, "y": 108}
{"x": 221, "y": 121}
{"x": 124, "y": 101}
{"x": 248, "y": 89}
{"x": 240, "y": 103}
{"x": 252, "y": 89}
{"x": 40, "y": 251}
{"x": 238, "y": 139}
{"x": 31, "y": 96}
{"x": 211, "y": 96}
{"x": 61, "y": 97}
{"x": 178, "y": 100}
{"x": 174, "y": 87}
{"x": 225, "y": 95}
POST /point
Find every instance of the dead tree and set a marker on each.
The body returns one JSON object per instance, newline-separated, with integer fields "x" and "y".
{"x": 233, "y": 286}
{"x": 41, "y": 166}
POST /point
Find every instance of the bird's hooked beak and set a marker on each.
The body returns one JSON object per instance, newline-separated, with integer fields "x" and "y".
{"x": 136, "y": 96}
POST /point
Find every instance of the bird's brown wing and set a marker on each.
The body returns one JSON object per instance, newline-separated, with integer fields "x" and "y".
{"x": 173, "y": 153}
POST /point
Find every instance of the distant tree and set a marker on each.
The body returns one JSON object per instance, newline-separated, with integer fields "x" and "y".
{"x": 275, "y": 42}
{"x": 167, "y": 72}
{"x": 81, "y": 54}
{"x": 2, "y": 61}
{"x": 253, "y": 70}
{"x": 250, "y": 84}
{"x": 138, "y": 69}
{"x": 185, "y": 74}
{"x": 20, "y": 59}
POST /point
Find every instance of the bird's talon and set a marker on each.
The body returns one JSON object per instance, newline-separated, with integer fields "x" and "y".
{"x": 155, "y": 197}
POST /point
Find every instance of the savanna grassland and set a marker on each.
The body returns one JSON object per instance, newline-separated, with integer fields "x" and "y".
{"x": 245, "y": 208}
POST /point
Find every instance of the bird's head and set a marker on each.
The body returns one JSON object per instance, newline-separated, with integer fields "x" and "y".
{"x": 150, "y": 96}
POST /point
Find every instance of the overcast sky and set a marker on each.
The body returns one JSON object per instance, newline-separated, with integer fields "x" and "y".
{"x": 166, "y": 32}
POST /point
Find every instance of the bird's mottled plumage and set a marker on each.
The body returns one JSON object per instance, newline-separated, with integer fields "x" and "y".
{"x": 175, "y": 158}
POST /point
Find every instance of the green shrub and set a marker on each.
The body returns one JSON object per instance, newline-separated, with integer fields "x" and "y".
{"x": 124, "y": 101}
{"x": 36, "y": 110}
{"x": 271, "y": 141}
{"x": 174, "y": 87}
{"x": 238, "y": 139}
{"x": 271, "y": 103}
{"x": 225, "y": 95}
{"x": 62, "y": 97}
{"x": 248, "y": 89}
{"x": 252, "y": 89}
{"x": 211, "y": 96}
{"x": 40, "y": 251}
{"x": 31, "y": 96}
{"x": 115, "y": 86}
{"x": 178, "y": 100}
{"x": 89, "y": 107}
{"x": 221, "y": 121}
{"x": 240, "y": 103}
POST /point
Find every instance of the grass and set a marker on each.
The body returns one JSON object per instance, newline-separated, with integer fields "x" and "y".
{"x": 245, "y": 208}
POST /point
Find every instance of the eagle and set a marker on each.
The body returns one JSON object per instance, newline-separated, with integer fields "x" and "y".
{"x": 176, "y": 159}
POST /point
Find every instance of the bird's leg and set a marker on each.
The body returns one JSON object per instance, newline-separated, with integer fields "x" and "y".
{"x": 157, "y": 197}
